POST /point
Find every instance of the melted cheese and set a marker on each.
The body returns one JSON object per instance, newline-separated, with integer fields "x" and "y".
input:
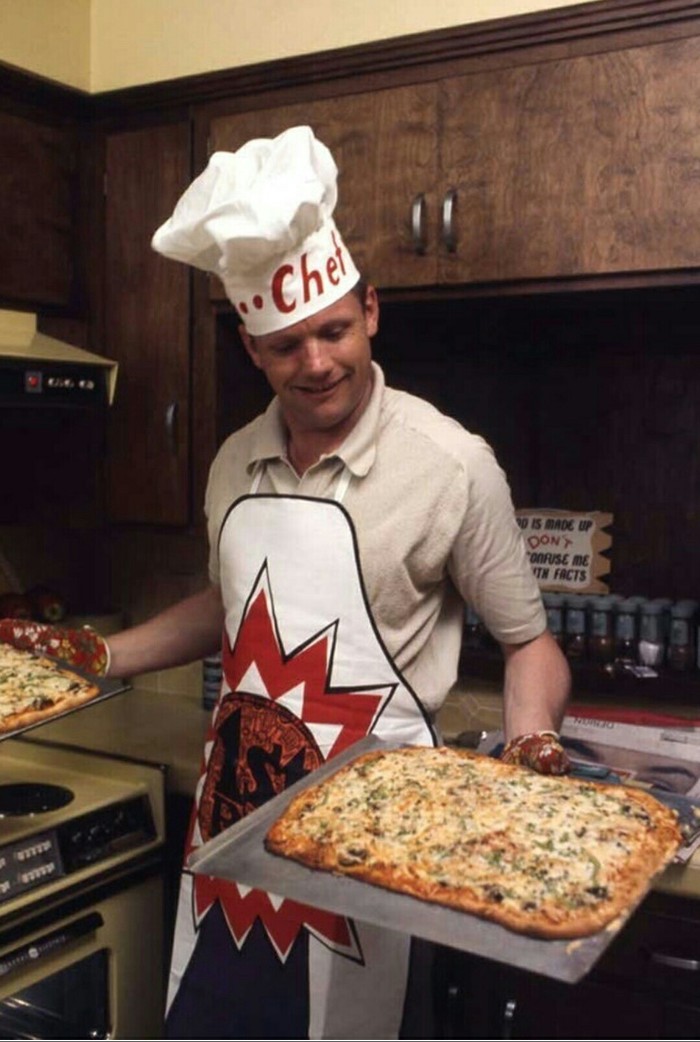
{"x": 31, "y": 683}
{"x": 514, "y": 837}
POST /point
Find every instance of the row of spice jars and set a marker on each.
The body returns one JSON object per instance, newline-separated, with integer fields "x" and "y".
{"x": 607, "y": 628}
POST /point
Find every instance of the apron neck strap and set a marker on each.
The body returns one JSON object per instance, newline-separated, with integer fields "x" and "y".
{"x": 258, "y": 471}
{"x": 343, "y": 484}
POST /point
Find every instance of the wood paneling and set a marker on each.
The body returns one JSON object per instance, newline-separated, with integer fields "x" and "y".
{"x": 146, "y": 328}
{"x": 38, "y": 184}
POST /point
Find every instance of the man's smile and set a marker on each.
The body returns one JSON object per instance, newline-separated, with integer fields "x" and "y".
{"x": 326, "y": 388}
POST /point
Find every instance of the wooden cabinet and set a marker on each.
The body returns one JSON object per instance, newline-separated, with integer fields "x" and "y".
{"x": 146, "y": 327}
{"x": 645, "y": 986}
{"x": 385, "y": 146}
{"x": 577, "y": 167}
{"x": 38, "y": 188}
{"x": 546, "y": 170}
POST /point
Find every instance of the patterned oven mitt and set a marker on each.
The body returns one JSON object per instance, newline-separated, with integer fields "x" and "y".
{"x": 541, "y": 751}
{"x": 83, "y": 648}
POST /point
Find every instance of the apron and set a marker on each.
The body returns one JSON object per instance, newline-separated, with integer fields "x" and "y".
{"x": 305, "y": 675}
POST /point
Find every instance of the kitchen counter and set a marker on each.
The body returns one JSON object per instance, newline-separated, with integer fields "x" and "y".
{"x": 169, "y": 728}
{"x": 155, "y": 726}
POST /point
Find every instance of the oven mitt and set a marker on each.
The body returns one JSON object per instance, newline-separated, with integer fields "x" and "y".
{"x": 83, "y": 648}
{"x": 541, "y": 751}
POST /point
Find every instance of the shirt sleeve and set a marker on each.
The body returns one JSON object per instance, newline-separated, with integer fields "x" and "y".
{"x": 488, "y": 562}
{"x": 213, "y": 535}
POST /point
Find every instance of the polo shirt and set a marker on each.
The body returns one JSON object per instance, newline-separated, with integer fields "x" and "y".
{"x": 434, "y": 521}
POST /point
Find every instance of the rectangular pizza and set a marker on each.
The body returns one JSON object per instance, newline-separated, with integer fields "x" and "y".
{"x": 551, "y": 857}
{"x": 36, "y": 688}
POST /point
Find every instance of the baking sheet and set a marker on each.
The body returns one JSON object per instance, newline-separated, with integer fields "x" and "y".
{"x": 238, "y": 854}
{"x": 109, "y": 686}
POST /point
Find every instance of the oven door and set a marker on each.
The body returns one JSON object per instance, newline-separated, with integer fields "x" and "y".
{"x": 92, "y": 968}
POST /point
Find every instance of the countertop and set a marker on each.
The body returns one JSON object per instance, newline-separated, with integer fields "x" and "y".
{"x": 155, "y": 726}
{"x": 168, "y": 728}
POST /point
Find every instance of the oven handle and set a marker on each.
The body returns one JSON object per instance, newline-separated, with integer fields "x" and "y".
{"x": 29, "y": 954}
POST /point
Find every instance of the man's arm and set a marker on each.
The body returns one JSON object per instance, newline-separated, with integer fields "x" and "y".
{"x": 536, "y": 687}
{"x": 189, "y": 630}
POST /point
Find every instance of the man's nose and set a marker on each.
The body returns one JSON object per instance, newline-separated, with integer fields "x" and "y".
{"x": 316, "y": 355}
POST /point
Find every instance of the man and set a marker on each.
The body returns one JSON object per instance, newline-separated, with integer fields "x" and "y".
{"x": 347, "y": 526}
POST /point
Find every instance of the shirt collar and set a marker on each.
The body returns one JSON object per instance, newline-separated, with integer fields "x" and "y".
{"x": 357, "y": 452}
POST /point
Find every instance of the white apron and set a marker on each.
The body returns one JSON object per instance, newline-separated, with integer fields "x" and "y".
{"x": 305, "y": 675}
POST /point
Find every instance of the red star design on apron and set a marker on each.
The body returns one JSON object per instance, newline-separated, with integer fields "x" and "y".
{"x": 283, "y": 712}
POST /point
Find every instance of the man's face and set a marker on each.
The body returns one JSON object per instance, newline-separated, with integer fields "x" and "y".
{"x": 320, "y": 368}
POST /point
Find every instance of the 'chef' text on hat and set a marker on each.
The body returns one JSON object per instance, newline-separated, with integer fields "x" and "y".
{"x": 261, "y": 219}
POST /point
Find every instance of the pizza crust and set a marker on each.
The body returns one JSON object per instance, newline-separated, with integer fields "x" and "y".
{"x": 36, "y": 688}
{"x": 549, "y": 857}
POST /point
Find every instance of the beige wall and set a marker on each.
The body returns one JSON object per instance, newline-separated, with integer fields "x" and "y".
{"x": 100, "y": 45}
{"x": 48, "y": 37}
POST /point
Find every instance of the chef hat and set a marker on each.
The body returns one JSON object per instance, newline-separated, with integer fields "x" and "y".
{"x": 261, "y": 219}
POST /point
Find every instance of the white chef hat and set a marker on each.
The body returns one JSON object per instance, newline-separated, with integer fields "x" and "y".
{"x": 261, "y": 219}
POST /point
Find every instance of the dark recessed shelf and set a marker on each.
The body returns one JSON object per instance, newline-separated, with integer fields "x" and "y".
{"x": 591, "y": 681}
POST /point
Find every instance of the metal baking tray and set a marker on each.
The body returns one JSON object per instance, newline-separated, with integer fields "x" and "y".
{"x": 109, "y": 686}
{"x": 238, "y": 854}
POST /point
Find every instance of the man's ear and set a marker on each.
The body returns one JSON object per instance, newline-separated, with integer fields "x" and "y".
{"x": 249, "y": 345}
{"x": 371, "y": 311}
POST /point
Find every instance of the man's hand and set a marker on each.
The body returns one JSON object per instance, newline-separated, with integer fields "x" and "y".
{"x": 541, "y": 751}
{"x": 83, "y": 648}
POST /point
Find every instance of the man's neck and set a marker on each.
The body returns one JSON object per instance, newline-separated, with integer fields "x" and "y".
{"x": 306, "y": 447}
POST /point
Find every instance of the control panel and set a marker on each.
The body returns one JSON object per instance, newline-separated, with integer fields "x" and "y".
{"x": 73, "y": 845}
{"x": 29, "y": 863}
{"x": 51, "y": 383}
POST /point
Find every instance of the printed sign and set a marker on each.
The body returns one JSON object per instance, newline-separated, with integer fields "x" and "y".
{"x": 566, "y": 550}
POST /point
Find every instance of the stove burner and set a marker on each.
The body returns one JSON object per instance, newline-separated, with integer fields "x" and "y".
{"x": 32, "y": 798}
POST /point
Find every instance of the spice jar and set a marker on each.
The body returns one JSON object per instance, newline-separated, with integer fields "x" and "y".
{"x": 681, "y": 643}
{"x": 666, "y": 604}
{"x": 601, "y": 643}
{"x": 554, "y": 606}
{"x": 652, "y": 641}
{"x": 626, "y": 630}
{"x": 575, "y": 627}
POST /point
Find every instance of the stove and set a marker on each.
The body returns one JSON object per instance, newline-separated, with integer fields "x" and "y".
{"x": 67, "y": 815}
{"x": 81, "y": 893}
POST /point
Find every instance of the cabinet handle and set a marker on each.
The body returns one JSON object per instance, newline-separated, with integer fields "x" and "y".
{"x": 43, "y": 947}
{"x": 509, "y": 1017}
{"x": 449, "y": 232}
{"x": 452, "y": 1026}
{"x": 418, "y": 235}
{"x": 675, "y": 962}
{"x": 171, "y": 426}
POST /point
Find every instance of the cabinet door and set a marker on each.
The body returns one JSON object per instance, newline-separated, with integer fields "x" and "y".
{"x": 37, "y": 212}
{"x": 583, "y": 166}
{"x": 147, "y": 328}
{"x": 385, "y": 146}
